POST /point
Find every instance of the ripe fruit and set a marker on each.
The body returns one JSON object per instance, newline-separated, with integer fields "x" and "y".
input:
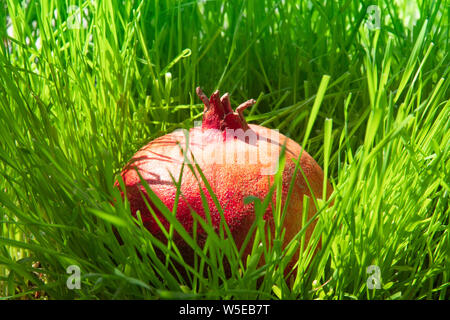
{"x": 237, "y": 159}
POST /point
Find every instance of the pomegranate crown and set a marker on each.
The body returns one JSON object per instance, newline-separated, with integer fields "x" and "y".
{"x": 218, "y": 113}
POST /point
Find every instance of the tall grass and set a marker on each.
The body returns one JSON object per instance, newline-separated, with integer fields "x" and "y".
{"x": 84, "y": 84}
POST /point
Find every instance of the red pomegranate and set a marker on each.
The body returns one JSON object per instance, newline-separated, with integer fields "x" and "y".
{"x": 238, "y": 160}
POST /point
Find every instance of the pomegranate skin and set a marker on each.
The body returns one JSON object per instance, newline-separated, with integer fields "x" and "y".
{"x": 237, "y": 159}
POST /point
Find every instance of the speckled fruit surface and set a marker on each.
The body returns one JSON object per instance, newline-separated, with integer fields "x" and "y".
{"x": 237, "y": 159}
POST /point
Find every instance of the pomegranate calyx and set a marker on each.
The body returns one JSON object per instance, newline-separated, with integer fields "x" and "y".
{"x": 218, "y": 113}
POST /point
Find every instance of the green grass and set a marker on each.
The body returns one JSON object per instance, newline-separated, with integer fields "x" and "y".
{"x": 371, "y": 105}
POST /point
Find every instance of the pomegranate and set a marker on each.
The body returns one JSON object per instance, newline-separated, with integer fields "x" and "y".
{"x": 238, "y": 160}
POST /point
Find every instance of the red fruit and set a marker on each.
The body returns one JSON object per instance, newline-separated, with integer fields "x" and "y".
{"x": 237, "y": 159}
